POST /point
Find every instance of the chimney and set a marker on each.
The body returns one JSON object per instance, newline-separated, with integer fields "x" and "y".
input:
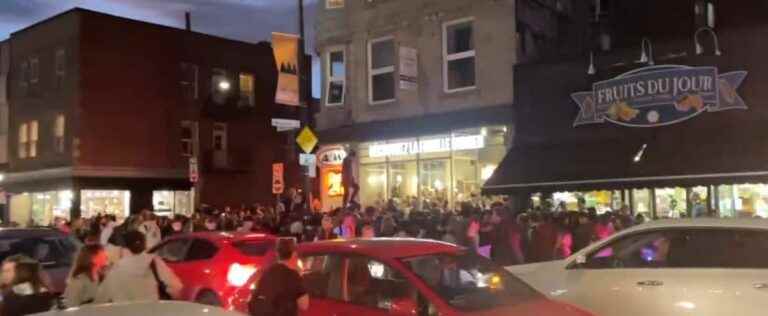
{"x": 188, "y": 20}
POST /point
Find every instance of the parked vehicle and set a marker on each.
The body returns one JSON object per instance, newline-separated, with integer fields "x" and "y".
{"x": 376, "y": 277}
{"x": 676, "y": 267}
{"x": 53, "y": 249}
{"x": 162, "y": 308}
{"x": 213, "y": 266}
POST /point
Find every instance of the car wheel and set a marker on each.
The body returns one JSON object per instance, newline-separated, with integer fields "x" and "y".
{"x": 208, "y": 298}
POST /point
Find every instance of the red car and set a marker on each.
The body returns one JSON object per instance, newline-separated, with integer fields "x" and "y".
{"x": 377, "y": 277}
{"x": 213, "y": 266}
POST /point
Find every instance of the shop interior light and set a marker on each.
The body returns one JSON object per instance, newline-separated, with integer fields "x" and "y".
{"x": 640, "y": 153}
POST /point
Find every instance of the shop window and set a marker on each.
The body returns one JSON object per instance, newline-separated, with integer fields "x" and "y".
{"x": 726, "y": 201}
{"x": 59, "y": 127}
{"x": 642, "y": 203}
{"x": 335, "y": 77}
{"x": 60, "y": 65}
{"x": 220, "y": 85}
{"x": 751, "y": 200}
{"x": 168, "y": 203}
{"x": 381, "y": 70}
{"x": 671, "y": 203}
{"x": 247, "y": 93}
{"x": 334, "y": 4}
{"x": 374, "y": 184}
{"x": 46, "y": 206}
{"x": 403, "y": 180}
{"x": 459, "y": 55}
{"x": 434, "y": 181}
{"x": 189, "y": 79}
{"x": 111, "y": 202}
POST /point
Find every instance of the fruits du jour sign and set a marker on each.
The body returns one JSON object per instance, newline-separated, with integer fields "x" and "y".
{"x": 659, "y": 95}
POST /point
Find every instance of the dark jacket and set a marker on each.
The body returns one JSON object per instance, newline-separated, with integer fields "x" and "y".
{"x": 19, "y": 305}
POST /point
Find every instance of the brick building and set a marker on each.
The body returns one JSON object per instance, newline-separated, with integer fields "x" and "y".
{"x": 106, "y": 112}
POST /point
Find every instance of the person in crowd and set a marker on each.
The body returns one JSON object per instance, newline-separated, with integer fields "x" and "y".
{"x": 349, "y": 179}
{"x": 138, "y": 276}
{"x": 564, "y": 244}
{"x": 150, "y": 229}
{"x": 25, "y": 291}
{"x": 368, "y": 232}
{"x": 247, "y": 225}
{"x": 280, "y": 290}
{"x": 584, "y": 233}
{"x": 544, "y": 240}
{"x": 326, "y": 230}
{"x": 211, "y": 224}
{"x": 86, "y": 275}
{"x": 604, "y": 227}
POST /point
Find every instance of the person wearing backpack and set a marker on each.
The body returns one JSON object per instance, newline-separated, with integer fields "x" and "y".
{"x": 280, "y": 290}
{"x": 138, "y": 276}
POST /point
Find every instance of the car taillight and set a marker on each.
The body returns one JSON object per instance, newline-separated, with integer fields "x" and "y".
{"x": 239, "y": 274}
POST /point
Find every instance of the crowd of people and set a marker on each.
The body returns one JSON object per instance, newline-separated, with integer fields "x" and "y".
{"x": 113, "y": 264}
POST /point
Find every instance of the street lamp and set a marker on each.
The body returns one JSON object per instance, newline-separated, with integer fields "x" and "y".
{"x": 224, "y": 85}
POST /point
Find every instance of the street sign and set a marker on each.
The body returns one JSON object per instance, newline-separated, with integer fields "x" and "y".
{"x": 278, "y": 183}
{"x": 194, "y": 176}
{"x": 307, "y": 140}
{"x": 307, "y": 160}
{"x": 286, "y": 123}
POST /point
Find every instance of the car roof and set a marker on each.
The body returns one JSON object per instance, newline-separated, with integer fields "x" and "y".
{"x": 157, "y": 308}
{"x": 10, "y": 233}
{"x": 386, "y": 248}
{"x": 226, "y": 236}
{"x": 740, "y": 223}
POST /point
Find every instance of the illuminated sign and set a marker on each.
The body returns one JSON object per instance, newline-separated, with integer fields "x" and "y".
{"x": 331, "y": 156}
{"x": 434, "y": 145}
{"x": 660, "y": 95}
{"x": 333, "y": 183}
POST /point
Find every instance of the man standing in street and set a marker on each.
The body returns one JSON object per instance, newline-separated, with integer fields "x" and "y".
{"x": 349, "y": 179}
{"x": 280, "y": 290}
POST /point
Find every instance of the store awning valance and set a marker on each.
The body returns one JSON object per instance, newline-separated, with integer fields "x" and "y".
{"x": 679, "y": 160}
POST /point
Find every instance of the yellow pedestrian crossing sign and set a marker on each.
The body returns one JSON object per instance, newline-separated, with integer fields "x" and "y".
{"x": 307, "y": 140}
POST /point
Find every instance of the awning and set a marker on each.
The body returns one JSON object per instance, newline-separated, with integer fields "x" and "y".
{"x": 679, "y": 160}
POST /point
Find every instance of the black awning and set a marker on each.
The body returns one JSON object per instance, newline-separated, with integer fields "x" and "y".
{"x": 682, "y": 160}
{"x": 430, "y": 124}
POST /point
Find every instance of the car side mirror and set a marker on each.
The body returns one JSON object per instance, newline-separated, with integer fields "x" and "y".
{"x": 405, "y": 306}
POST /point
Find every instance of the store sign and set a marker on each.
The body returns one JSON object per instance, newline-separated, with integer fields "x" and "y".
{"x": 331, "y": 156}
{"x": 278, "y": 183}
{"x": 660, "y": 95}
{"x": 433, "y": 145}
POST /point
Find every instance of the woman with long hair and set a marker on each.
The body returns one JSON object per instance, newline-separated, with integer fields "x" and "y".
{"x": 26, "y": 292}
{"x": 87, "y": 273}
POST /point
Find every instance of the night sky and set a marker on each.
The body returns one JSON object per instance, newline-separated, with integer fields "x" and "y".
{"x": 245, "y": 20}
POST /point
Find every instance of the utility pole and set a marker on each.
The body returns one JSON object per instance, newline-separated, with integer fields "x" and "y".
{"x": 304, "y": 110}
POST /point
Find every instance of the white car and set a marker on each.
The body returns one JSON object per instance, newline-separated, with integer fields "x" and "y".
{"x": 677, "y": 267}
{"x": 161, "y": 308}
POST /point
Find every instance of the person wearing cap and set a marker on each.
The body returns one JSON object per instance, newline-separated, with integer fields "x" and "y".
{"x": 280, "y": 290}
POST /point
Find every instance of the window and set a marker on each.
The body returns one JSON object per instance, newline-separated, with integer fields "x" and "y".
{"x": 459, "y": 55}
{"x": 334, "y": 4}
{"x": 189, "y": 75}
{"x": 246, "y": 90}
{"x": 336, "y": 77}
{"x": 60, "y": 67}
{"x": 173, "y": 251}
{"x": 34, "y": 70}
{"x": 188, "y": 138}
{"x": 254, "y": 248}
{"x": 24, "y": 76}
{"x": 221, "y": 85}
{"x": 381, "y": 70}
{"x": 642, "y": 250}
{"x": 23, "y": 140}
{"x": 59, "y": 127}
{"x": 219, "y": 136}
{"x": 322, "y": 275}
{"x": 201, "y": 250}
{"x": 376, "y": 285}
{"x": 33, "y": 139}
{"x": 705, "y": 13}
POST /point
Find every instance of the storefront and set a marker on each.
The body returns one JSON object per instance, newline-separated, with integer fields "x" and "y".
{"x": 442, "y": 169}
{"x": 663, "y": 141}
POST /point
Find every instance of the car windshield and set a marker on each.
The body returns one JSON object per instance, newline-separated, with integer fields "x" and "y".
{"x": 470, "y": 282}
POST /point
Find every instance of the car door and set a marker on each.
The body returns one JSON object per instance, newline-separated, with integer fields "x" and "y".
{"x": 197, "y": 270}
{"x": 374, "y": 289}
{"x": 174, "y": 253}
{"x": 626, "y": 276}
{"x": 322, "y": 275}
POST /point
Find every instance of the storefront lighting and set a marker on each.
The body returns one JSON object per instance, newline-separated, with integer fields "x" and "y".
{"x": 399, "y": 179}
{"x": 487, "y": 172}
{"x": 224, "y": 85}
{"x": 484, "y": 131}
{"x": 640, "y": 153}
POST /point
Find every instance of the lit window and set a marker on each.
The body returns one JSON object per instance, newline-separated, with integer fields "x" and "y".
{"x": 189, "y": 73}
{"x": 381, "y": 70}
{"x": 335, "y": 77}
{"x": 246, "y": 90}
{"x": 59, "y": 127}
{"x": 23, "y": 140}
{"x": 459, "y": 55}
{"x": 334, "y": 4}
{"x": 33, "y": 139}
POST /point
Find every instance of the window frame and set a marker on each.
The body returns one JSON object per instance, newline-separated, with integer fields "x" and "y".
{"x": 448, "y": 58}
{"x": 191, "y": 140}
{"x": 251, "y": 98}
{"x": 34, "y": 70}
{"x": 59, "y": 133}
{"x": 23, "y": 141}
{"x": 34, "y": 137}
{"x": 162, "y": 245}
{"x": 204, "y": 241}
{"x": 195, "y": 80}
{"x": 329, "y": 78}
{"x": 223, "y": 131}
{"x": 380, "y": 71}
